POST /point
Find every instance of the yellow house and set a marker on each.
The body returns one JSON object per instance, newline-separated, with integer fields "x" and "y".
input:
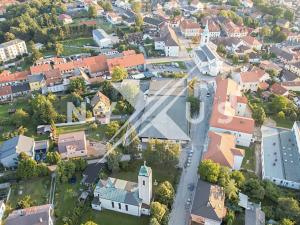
{"x": 36, "y": 82}
{"x": 101, "y": 107}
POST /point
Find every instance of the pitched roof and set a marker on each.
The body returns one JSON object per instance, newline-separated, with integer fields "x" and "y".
{"x": 6, "y": 76}
{"x": 72, "y": 141}
{"x": 17, "y": 144}
{"x": 251, "y": 40}
{"x": 53, "y": 76}
{"x": 225, "y": 117}
{"x": 168, "y": 36}
{"x": 189, "y": 24}
{"x": 6, "y": 90}
{"x": 100, "y": 97}
{"x": 36, "y": 215}
{"x": 129, "y": 59}
{"x": 278, "y": 89}
{"x": 252, "y": 76}
{"x": 208, "y": 202}
{"x": 40, "y": 69}
{"x": 221, "y": 149}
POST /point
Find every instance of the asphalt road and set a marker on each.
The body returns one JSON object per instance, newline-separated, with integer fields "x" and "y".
{"x": 181, "y": 210}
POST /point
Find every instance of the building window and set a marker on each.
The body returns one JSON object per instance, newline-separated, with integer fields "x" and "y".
{"x": 119, "y": 205}
{"x": 126, "y": 207}
{"x": 143, "y": 183}
{"x": 113, "y": 204}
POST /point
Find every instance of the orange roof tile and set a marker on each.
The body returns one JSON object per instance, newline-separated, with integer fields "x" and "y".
{"x": 6, "y": 76}
{"x": 224, "y": 108}
{"x": 278, "y": 89}
{"x": 6, "y": 90}
{"x": 129, "y": 59}
{"x": 189, "y": 24}
{"x": 40, "y": 69}
{"x": 252, "y": 76}
{"x": 221, "y": 149}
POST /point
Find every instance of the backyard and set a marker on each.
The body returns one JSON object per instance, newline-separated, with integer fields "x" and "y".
{"x": 249, "y": 159}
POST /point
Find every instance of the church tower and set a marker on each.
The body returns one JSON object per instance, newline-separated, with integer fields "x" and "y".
{"x": 145, "y": 184}
{"x": 205, "y": 35}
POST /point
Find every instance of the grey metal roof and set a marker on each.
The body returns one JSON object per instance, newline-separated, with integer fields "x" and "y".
{"x": 92, "y": 171}
{"x": 281, "y": 53}
{"x": 201, "y": 55}
{"x": 100, "y": 34}
{"x": 210, "y": 55}
{"x": 20, "y": 88}
{"x": 35, "y": 78}
{"x": 281, "y": 154}
{"x": 17, "y": 144}
{"x": 288, "y": 75}
{"x": 41, "y": 145}
{"x": 9, "y": 43}
{"x": 152, "y": 21}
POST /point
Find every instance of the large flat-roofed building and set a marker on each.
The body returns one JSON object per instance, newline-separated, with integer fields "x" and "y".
{"x": 164, "y": 115}
{"x": 280, "y": 155}
{"x": 12, "y": 49}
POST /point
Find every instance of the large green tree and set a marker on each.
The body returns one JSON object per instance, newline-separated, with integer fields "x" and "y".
{"x": 157, "y": 210}
{"x": 165, "y": 193}
{"x": 209, "y": 171}
{"x": 119, "y": 73}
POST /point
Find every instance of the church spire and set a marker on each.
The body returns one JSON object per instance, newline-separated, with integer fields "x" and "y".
{"x": 205, "y": 35}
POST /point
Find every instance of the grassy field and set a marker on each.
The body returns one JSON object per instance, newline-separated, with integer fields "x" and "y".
{"x": 79, "y": 42}
{"x": 37, "y": 189}
{"x": 249, "y": 159}
{"x": 286, "y": 123}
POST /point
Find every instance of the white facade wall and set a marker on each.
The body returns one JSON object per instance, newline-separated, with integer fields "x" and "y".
{"x": 190, "y": 32}
{"x": 211, "y": 222}
{"x": 237, "y": 162}
{"x": 214, "y": 34}
{"x": 241, "y": 109}
{"x": 145, "y": 189}
{"x": 12, "y": 51}
{"x": 159, "y": 45}
{"x": 243, "y": 139}
{"x": 172, "y": 51}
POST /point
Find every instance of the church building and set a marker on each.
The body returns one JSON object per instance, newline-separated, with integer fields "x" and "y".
{"x": 125, "y": 196}
{"x": 205, "y": 56}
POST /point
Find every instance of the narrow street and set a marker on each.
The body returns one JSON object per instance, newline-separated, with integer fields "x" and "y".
{"x": 180, "y": 211}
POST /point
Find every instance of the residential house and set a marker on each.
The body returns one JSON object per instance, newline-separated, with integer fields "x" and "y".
{"x": 11, "y": 49}
{"x": 208, "y": 204}
{"x": 54, "y": 81}
{"x": 294, "y": 67}
{"x": 230, "y": 112}
{"x": 168, "y": 121}
{"x": 233, "y": 30}
{"x": 205, "y": 56}
{"x": 102, "y": 38}
{"x": 10, "y": 150}
{"x": 101, "y": 108}
{"x": 65, "y": 19}
{"x": 7, "y": 78}
{"x": 40, "y": 69}
{"x": 252, "y": 42}
{"x": 20, "y": 89}
{"x": 280, "y": 154}
{"x": 91, "y": 173}
{"x": 6, "y": 94}
{"x": 247, "y": 3}
{"x": 168, "y": 42}
{"x": 278, "y": 89}
{"x": 153, "y": 24}
{"x": 221, "y": 149}
{"x": 288, "y": 76}
{"x": 282, "y": 54}
{"x": 251, "y": 80}
{"x": 176, "y": 21}
{"x": 72, "y": 145}
{"x": 214, "y": 29}
{"x": 128, "y": 60}
{"x": 171, "y": 5}
{"x": 113, "y": 18}
{"x": 132, "y": 198}
{"x": 269, "y": 65}
{"x": 43, "y": 215}
{"x": 190, "y": 29}
{"x": 36, "y": 82}
{"x": 291, "y": 86}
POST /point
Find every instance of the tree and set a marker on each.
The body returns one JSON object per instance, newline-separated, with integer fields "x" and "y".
{"x": 9, "y": 36}
{"x": 113, "y": 160}
{"x": 136, "y": 7}
{"x": 157, "y": 210}
{"x": 77, "y": 85}
{"x": 139, "y": 21}
{"x": 289, "y": 15}
{"x": 288, "y": 208}
{"x": 53, "y": 158}
{"x": 287, "y": 222}
{"x": 254, "y": 189}
{"x": 25, "y": 202}
{"x": 153, "y": 221}
{"x": 258, "y": 114}
{"x": 209, "y": 171}
{"x": 134, "y": 142}
{"x": 279, "y": 103}
{"x": 89, "y": 223}
{"x": 231, "y": 190}
{"x": 112, "y": 128}
{"x": 238, "y": 177}
{"x": 36, "y": 54}
{"x": 165, "y": 193}
{"x": 235, "y": 59}
{"x": 20, "y": 117}
{"x": 195, "y": 105}
{"x": 43, "y": 110}
{"x": 224, "y": 176}
{"x": 92, "y": 11}
{"x": 281, "y": 115}
{"x": 119, "y": 73}
{"x": 230, "y": 217}
{"x": 59, "y": 49}
{"x": 27, "y": 167}
{"x": 65, "y": 170}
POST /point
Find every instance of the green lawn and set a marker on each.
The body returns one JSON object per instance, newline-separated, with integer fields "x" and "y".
{"x": 286, "y": 123}
{"x": 37, "y": 188}
{"x": 79, "y": 42}
{"x": 249, "y": 159}
{"x": 107, "y": 217}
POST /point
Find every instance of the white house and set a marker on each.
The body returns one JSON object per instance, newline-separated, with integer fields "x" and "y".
{"x": 124, "y": 196}
{"x": 205, "y": 56}
{"x": 197, "y": 4}
{"x": 230, "y": 113}
{"x": 190, "y": 28}
{"x": 11, "y": 49}
{"x": 102, "y": 38}
{"x": 168, "y": 42}
{"x": 113, "y": 18}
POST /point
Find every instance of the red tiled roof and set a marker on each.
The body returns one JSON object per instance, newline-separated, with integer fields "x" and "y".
{"x": 129, "y": 59}
{"x": 6, "y": 76}
{"x": 40, "y": 69}
{"x": 221, "y": 149}
{"x": 189, "y": 24}
{"x": 278, "y": 89}
{"x": 6, "y": 90}
{"x": 252, "y": 76}
{"x": 224, "y": 108}
{"x": 53, "y": 76}
{"x": 251, "y": 40}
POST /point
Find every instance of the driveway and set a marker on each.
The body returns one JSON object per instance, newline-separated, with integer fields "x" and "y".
{"x": 180, "y": 210}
